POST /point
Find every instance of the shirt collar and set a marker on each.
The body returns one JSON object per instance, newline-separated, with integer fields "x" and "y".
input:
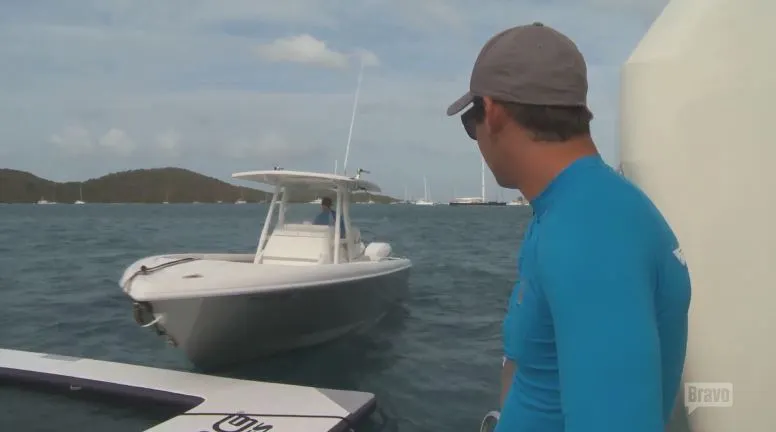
{"x": 542, "y": 202}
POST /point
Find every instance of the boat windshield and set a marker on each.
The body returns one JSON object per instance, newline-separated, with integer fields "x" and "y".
{"x": 307, "y": 213}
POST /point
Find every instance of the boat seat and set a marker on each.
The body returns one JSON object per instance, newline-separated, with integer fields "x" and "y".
{"x": 306, "y": 229}
{"x": 298, "y": 244}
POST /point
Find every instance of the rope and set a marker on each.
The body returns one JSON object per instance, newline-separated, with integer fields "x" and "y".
{"x": 146, "y": 270}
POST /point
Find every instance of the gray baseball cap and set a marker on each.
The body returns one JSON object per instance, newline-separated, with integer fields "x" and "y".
{"x": 530, "y": 64}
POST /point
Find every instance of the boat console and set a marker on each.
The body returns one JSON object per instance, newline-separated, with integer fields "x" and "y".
{"x": 298, "y": 244}
{"x": 307, "y": 244}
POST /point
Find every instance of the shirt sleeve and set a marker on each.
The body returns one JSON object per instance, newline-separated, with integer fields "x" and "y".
{"x": 599, "y": 289}
{"x": 321, "y": 219}
{"x": 508, "y": 326}
{"x": 510, "y": 319}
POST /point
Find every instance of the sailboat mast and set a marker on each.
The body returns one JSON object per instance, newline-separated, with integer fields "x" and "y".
{"x": 483, "y": 180}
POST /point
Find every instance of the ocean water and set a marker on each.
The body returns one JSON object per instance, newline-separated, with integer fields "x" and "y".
{"x": 433, "y": 363}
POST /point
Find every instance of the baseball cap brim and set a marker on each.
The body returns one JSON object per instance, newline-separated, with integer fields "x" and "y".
{"x": 460, "y": 104}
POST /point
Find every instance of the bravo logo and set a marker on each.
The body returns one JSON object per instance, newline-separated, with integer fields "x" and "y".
{"x": 707, "y": 395}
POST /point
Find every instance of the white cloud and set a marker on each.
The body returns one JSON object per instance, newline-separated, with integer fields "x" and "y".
{"x": 368, "y": 57}
{"x": 117, "y": 141}
{"x": 78, "y": 140}
{"x": 308, "y": 50}
{"x": 169, "y": 142}
{"x": 274, "y": 148}
{"x": 73, "y": 139}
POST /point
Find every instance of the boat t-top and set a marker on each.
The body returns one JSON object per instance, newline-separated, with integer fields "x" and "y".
{"x": 306, "y": 284}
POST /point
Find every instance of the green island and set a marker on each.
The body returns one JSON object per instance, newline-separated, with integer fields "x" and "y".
{"x": 149, "y": 186}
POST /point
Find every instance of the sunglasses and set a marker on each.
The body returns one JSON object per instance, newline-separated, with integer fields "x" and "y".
{"x": 472, "y": 117}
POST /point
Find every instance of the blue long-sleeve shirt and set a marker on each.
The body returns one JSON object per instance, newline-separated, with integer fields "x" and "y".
{"x": 597, "y": 322}
{"x": 329, "y": 218}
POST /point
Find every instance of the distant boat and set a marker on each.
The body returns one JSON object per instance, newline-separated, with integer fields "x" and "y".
{"x": 240, "y": 201}
{"x": 43, "y": 200}
{"x": 368, "y": 202}
{"x": 519, "y": 201}
{"x": 425, "y": 201}
{"x": 406, "y": 200}
{"x": 81, "y": 195}
{"x": 477, "y": 201}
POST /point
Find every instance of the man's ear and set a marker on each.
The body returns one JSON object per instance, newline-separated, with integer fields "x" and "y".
{"x": 495, "y": 116}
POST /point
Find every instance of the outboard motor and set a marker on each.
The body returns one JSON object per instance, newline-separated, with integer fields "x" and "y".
{"x": 377, "y": 251}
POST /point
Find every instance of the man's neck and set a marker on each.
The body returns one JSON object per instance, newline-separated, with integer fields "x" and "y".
{"x": 546, "y": 160}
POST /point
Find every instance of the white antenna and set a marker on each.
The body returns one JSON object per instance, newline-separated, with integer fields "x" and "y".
{"x": 353, "y": 117}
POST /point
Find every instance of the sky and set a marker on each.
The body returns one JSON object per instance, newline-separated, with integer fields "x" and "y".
{"x": 89, "y": 87}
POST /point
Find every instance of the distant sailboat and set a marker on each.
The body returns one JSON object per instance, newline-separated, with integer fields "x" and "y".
{"x": 80, "y": 194}
{"x": 43, "y": 200}
{"x": 369, "y": 202}
{"x": 425, "y": 200}
{"x": 478, "y": 201}
{"x": 406, "y": 200}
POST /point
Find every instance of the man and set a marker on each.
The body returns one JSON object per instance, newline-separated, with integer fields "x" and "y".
{"x": 327, "y": 216}
{"x": 596, "y": 329}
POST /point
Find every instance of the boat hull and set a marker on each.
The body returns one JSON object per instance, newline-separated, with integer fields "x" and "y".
{"x": 199, "y": 402}
{"x": 216, "y": 331}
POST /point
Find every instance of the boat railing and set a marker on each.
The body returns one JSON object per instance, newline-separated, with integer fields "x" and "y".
{"x": 145, "y": 270}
